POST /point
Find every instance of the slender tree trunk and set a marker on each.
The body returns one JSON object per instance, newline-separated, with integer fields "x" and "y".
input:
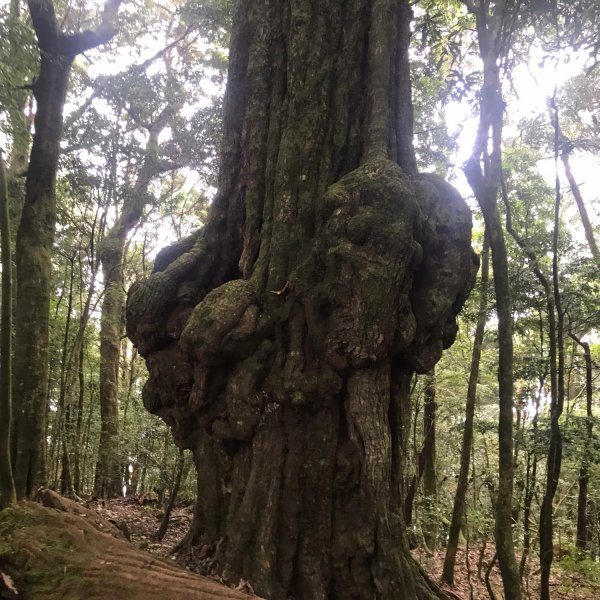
{"x": 484, "y": 173}
{"x": 7, "y": 483}
{"x": 35, "y": 239}
{"x": 583, "y": 534}
{"x": 112, "y": 254}
{"x": 557, "y": 374}
{"x": 585, "y": 220}
{"x": 462, "y": 485}
{"x": 281, "y": 340}
{"x": 160, "y": 534}
{"x": 431, "y": 523}
{"x": 78, "y": 454}
{"x": 35, "y": 236}
{"x": 423, "y": 458}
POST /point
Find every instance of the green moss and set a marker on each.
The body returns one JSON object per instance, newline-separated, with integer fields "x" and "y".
{"x": 14, "y": 517}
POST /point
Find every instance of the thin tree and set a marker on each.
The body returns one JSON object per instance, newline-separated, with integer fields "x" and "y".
{"x": 7, "y": 484}
{"x": 557, "y": 365}
{"x": 582, "y": 537}
{"x": 566, "y": 149}
{"x": 430, "y": 525}
{"x": 484, "y": 173}
{"x": 462, "y": 485}
{"x": 35, "y": 236}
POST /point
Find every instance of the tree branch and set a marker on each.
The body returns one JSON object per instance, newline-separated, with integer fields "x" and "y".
{"x": 86, "y": 40}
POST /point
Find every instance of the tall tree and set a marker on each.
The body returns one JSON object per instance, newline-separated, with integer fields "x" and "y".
{"x": 484, "y": 173}
{"x": 557, "y": 363}
{"x": 35, "y": 235}
{"x": 112, "y": 254}
{"x": 430, "y": 525}
{"x": 462, "y": 484}
{"x": 7, "y": 483}
{"x": 582, "y": 536}
{"x": 281, "y": 339}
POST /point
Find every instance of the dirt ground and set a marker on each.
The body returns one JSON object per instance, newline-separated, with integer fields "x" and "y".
{"x": 62, "y": 550}
{"x": 142, "y": 518}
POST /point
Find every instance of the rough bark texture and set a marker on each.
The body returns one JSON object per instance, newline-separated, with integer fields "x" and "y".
{"x": 281, "y": 339}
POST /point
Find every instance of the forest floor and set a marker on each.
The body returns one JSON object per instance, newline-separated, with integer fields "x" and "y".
{"x": 565, "y": 584}
{"x": 141, "y": 518}
{"x": 63, "y": 550}
{"x": 40, "y": 541}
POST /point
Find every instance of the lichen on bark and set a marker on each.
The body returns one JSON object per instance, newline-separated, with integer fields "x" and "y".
{"x": 280, "y": 340}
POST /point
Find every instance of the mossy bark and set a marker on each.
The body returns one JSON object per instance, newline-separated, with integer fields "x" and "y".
{"x": 35, "y": 236}
{"x": 7, "y": 483}
{"x": 107, "y": 481}
{"x": 281, "y": 339}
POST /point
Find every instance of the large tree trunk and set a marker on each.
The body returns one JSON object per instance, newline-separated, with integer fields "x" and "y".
{"x": 281, "y": 339}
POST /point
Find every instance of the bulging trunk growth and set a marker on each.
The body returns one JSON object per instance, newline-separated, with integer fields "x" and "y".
{"x": 281, "y": 339}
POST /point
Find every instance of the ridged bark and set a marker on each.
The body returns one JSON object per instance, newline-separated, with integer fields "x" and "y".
{"x": 281, "y": 339}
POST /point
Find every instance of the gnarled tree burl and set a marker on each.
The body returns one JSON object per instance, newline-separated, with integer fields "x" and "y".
{"x": 282, "y": 337}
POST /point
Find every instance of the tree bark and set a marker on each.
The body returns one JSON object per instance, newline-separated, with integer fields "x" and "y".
{"x": 462, "y": 485}
{"x": 281, "y": 339}
{"x": 35, "y": 236}
{"x": 7, "y": 483}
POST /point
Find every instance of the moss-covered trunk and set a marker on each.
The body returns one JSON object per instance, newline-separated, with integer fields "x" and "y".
{"x": 112, "y": 256}
{"x": 107, "y": 481}
{"x": 35, "y": 236}
{"x": 281, "y": 339}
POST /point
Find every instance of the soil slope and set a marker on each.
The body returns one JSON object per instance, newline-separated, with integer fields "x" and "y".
{"x": 63, "y": 551}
